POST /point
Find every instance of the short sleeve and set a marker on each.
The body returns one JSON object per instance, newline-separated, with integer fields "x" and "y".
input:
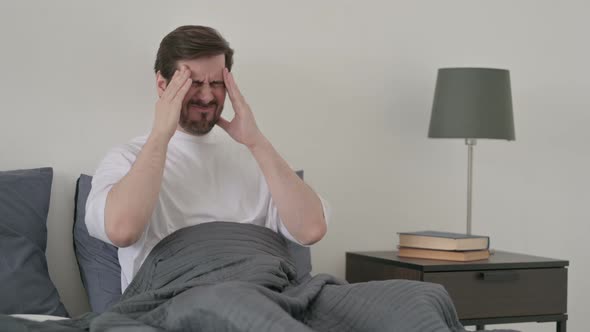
{"x": 273, "y": 219}
{"x": 111, "y": 170}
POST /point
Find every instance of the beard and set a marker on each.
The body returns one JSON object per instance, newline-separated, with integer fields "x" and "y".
{"x": 199, "y": 123}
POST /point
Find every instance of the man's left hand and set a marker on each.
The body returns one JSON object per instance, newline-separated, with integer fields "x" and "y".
{"x": 242, "y": 127}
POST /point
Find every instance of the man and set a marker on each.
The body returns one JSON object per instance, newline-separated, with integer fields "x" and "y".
{"x": 188, "y": 171}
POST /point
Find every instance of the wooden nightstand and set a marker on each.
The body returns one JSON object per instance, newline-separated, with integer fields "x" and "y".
{"x": 506, "y": 288}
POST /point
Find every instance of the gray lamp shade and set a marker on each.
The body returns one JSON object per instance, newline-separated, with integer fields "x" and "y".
{"x": 472, "y": 103}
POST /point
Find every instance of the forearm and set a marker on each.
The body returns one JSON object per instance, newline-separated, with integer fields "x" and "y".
{"x": 298, "y": 205}
{"x": 131, "y": 201}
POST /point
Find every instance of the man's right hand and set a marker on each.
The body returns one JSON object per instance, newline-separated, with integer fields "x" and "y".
{"x": 170, "y": 103}
{"x": 131, "y": 201}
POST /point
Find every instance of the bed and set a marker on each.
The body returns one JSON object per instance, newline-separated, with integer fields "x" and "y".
{"x": 258, "y": 281}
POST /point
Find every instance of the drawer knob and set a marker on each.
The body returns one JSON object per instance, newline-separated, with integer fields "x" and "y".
{"x": 498, "y": 276}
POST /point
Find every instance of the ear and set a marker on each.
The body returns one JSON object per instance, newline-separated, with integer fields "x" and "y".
{"x": 161, "y": 83}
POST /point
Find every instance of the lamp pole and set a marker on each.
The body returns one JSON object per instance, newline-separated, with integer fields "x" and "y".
{"x": 470, "y": 144}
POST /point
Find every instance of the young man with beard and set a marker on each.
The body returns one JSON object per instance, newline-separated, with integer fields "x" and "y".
{"x": 196, "y": 166}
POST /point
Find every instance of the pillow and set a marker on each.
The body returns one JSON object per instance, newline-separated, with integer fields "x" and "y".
{"x": 98, "y": 261}
{"x": 24, "y": 280}
{"x": 99, "y": 264}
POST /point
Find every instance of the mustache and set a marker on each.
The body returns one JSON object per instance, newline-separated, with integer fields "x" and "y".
{"x": 202, "y": 104}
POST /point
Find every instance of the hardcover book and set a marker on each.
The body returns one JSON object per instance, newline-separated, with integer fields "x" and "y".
{"x": 462, "y": 256}
{"x": 443, "y": 241}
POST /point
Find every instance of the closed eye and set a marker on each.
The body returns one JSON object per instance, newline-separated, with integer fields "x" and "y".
{"x": 213, "y": 84}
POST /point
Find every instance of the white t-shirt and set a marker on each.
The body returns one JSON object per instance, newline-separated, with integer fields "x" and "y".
{"x": 206, "y": 178}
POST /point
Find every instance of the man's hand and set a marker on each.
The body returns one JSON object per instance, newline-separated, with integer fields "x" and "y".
{"x": 242, "y": 127}
{"x": 131, "y": 201}
{"x": 170, "y": 102}
{"x": 300, "y": 209}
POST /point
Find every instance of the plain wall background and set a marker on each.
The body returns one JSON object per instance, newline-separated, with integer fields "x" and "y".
{"x": 343, "y": 89}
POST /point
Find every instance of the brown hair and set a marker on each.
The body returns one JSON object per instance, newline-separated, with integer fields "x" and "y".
{"x": 190, "y": 42}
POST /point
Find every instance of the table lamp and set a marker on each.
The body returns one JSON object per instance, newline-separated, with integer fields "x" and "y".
{"x": 472, "y": 103}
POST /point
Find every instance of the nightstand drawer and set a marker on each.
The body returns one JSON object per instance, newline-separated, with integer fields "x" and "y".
{"x": 499, "y": 293}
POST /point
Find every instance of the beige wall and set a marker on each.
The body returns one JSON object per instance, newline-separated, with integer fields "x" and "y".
{"x": 343, "y": 89}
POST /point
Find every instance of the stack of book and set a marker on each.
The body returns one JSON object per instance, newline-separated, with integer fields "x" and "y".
{"x": 444, "y": 246}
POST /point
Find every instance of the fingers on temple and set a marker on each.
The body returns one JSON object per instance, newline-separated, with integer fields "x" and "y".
{"x": 176, "y": 83}
{"x": 183, "y": 90}
{"x": 232, "y": 88}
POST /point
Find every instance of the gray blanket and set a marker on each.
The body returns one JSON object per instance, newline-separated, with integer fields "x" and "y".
{"x": 239, "y": 277}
